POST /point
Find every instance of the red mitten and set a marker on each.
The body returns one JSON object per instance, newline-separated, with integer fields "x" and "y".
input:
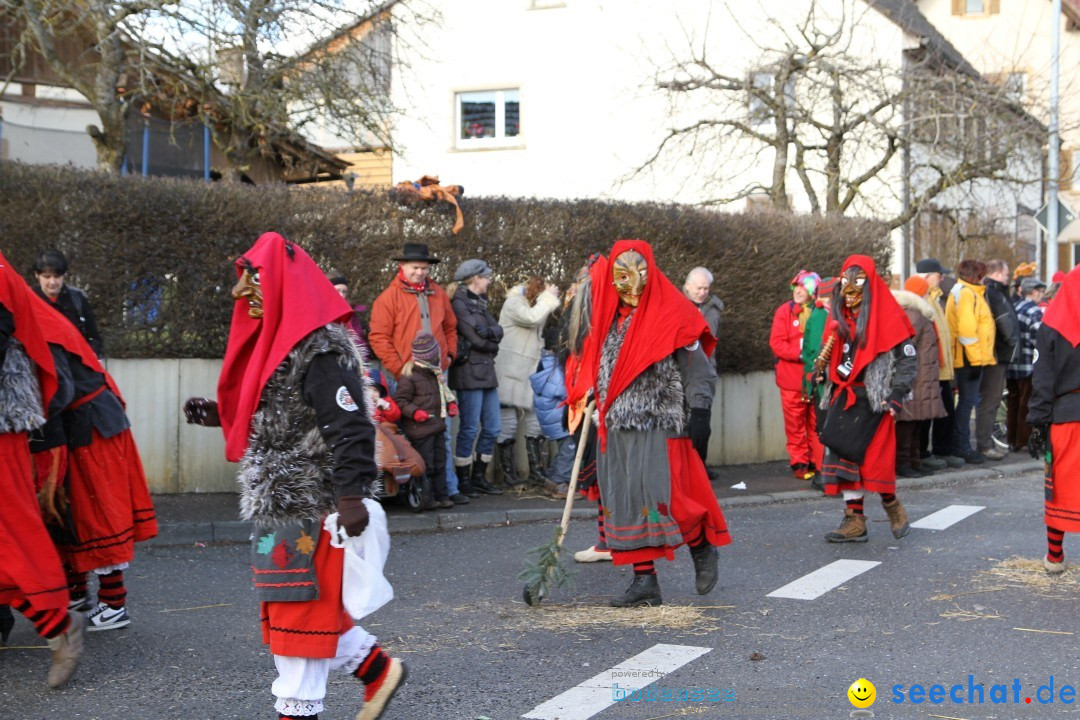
{"x": 421, "y": 416}
{"x": 451, "y": 409}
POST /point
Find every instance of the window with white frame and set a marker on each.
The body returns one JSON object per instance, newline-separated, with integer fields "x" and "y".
{"x": 762, "y": 95}
{"x": 974, "y": 7}
{"x": 488, "y": 118}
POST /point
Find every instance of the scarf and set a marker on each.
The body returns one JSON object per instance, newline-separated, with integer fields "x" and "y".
{"x": 1063, "y": 313}
{"x": 297, "y": 299}
{"x": 446, "y": 395}
{"x": 15, "y": 296}
{"x": 887, "y": 327}
{"x": 664, "y": 321}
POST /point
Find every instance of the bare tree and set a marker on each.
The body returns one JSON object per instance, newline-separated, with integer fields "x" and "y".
{"x": 854, "y": 131}
{"x": 257, "y": 72}
{"x": 88, "y": 46}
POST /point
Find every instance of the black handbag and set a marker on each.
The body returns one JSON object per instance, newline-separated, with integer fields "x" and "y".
{"x": 849, "y": 432}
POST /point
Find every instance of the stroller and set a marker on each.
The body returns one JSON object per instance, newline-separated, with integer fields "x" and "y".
{"x": 401, "y": 469}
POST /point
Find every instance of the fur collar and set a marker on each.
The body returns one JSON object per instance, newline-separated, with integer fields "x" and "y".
{"x": 286, "y": 474}
{"x": 655, "y": 399}
{"x": 910, "y": 301}
{"x": 20, "y": 394}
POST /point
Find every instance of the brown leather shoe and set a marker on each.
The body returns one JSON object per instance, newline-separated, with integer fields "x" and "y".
{"x": 66, "y": 650}
{"x": 897, "y": 518}
{"x": 852, "y": 529}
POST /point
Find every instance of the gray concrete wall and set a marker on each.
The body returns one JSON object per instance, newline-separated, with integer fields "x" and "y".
{"x": 747, "y": 424}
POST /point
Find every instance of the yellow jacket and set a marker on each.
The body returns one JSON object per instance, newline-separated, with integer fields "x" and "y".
{"x": 945, "y": 336}
{"x": 971, "y": 324}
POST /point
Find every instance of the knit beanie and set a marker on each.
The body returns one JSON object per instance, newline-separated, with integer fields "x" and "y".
{"x": 809, "y": 280}
{"x": 425, "y": 348}
{"x": 917, "y": 285}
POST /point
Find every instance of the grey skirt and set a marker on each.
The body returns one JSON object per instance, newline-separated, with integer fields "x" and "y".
{"x": 635, "y": 487}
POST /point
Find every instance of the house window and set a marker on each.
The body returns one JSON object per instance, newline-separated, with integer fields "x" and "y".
{"x": 489, "y": 118}
{"x": 761, "y": 95}
{"x": 974, "y": 7}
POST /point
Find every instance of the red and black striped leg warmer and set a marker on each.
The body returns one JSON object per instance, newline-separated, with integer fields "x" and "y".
{"x": 645, "y": 568}
{"x": 373, "y": 667}
{"x": 111, "y": 591}
{"x": 601, "y": 534}
{"x": 697, "y": 539}
{"x": 48, "y": 623}
{"x": 888, "y": 498}
{"x": 856, "y": 505}
{"x": 76, "y": 584}
{"x": 1054, "y": 538}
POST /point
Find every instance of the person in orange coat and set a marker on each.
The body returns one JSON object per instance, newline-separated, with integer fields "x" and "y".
{"x": 786, "y": 341}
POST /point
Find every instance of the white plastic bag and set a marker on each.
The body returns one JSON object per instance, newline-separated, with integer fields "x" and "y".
{"x": 364, "y": 589}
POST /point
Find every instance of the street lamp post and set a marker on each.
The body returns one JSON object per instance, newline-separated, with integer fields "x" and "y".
{"x": 1055, "y": 147}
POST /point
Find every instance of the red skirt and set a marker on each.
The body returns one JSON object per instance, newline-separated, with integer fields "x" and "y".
{"x": 1063, "y": 509}
{"x": 110, "y": 503}
{"x": 693, "y": 506}
{"x": 29, "y": 565}
{"x": 878, "y": 470}
{"x": 310, "y": 629}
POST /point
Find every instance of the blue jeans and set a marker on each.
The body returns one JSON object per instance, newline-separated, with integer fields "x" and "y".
{"x": 563, "y": 467}
{"x": 451, "y": 476}
{"x": 478, "y": 412}
{"x": 967, "y": 386}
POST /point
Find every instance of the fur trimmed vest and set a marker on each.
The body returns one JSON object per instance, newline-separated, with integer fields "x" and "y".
{"x": 286, "y": 475}
{"x": 20, "y": 394}
{"x": 877, "y": 378}
{"x": 655, "y": 400}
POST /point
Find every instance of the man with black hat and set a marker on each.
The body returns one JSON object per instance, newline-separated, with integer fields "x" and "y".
{"x": 941, "y": 429}
{"x": 1018, "y": 374}
{"x": 411, "y": 303}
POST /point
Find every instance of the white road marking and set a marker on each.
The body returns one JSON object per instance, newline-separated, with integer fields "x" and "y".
{"x": 595, "y": 694}
{"x": 946, "y": 517}
{"x": 822, "y": 580}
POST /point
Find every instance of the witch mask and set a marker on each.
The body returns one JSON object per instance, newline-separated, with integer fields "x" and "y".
{"x": 852, "y": 287}
{"x": 247, "y": 288}
{"x": 629, "y": 273}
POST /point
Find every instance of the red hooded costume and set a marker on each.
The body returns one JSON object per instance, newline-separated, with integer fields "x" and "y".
{"x": 30, "y": 567}
{"x": 887, "y": 327}
{"x": 297, "y": 299}
{"x": 663, "y": 322}
{"x": 110, "y": 500}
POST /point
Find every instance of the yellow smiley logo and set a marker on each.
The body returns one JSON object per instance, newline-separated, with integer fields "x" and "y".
{"x": 862, "y": 693}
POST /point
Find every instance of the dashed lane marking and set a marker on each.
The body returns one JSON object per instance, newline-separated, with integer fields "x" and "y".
{"x": 595, "y": 694}
{"x": 947, "y": 517}
{"x": 822, "y": 580}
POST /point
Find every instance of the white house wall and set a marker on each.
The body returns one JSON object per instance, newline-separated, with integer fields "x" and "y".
{"x": 44, "y": 134}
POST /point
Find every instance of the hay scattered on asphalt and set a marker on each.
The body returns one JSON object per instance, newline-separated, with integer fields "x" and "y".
{"x": 975, "y": 613}
{"x": 577, "y": 617}
{"x": 1028, "y": 573}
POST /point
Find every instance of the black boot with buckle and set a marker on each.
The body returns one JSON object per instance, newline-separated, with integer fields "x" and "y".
{"x": 508, "y": 464}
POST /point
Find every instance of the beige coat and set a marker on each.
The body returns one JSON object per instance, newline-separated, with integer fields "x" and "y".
{"x": 945, "y": 338}
{"x": 522, "y": 343}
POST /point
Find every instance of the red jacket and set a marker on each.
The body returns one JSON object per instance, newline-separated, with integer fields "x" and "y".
{"x": 785, "y": 340}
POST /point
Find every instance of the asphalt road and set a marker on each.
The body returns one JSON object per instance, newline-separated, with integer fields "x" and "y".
{"x": 940, "y": 606}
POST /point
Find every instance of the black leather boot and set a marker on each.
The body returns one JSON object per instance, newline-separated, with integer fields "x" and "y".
{"x": 465, "y": 486}
{"x": 534, "y": 448}
{"x": 508, "y": 464}
{"x": 705, "y": 571}
{"x": 644, "y": 590}
{"x": 479, "y": 478}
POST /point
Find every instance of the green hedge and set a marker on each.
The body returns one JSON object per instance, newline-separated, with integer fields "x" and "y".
{"x": 156, "y": 254}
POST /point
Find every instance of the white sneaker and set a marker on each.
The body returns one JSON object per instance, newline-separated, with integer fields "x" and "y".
{"x": 106, "y": 618}
{"x": 1054, "y": 568}
{"x": 592, "y": 555}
